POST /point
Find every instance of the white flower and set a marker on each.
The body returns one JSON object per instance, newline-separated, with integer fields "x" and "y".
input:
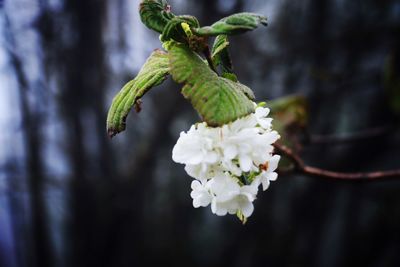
{"x": 263, "y": 148}
{"x": 200, "y": 171}
{"x": 229, "y": 162}
{"x": 243, "y": 143}
{"x": 269, "y": 174}
{"x": 201, "y": 196}
{"x": 262, "y": 119}
{"x": 230, "y": 198}
{"x": 232, "y": 167}
{"x": 194, "y": 147}
{"x": 245, "y": 200}
{"x": 223, "y": 187}
{"x": 248, "y": 147}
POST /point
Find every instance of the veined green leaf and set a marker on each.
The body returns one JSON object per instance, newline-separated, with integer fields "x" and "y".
{"x": 234, "y": 24}
{"x": 217, "y": 100}
{"x": 153, "y": 73}
{"x": 155, "y": 14}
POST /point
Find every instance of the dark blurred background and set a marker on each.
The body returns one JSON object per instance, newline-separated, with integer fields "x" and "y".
{"x": 70, "y": 196}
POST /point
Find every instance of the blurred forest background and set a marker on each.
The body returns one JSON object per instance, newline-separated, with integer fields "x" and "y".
{"x": 70, "y": 196}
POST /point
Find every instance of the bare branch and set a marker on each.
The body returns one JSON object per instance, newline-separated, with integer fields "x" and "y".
{"x": 313, "y": 171}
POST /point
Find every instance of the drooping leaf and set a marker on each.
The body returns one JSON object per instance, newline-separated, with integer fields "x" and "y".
{"x": 234, "y": 24}
{"x": 155, "y": 14}
{"x": 217, "y": 100}
{"x": 153, "y": 73}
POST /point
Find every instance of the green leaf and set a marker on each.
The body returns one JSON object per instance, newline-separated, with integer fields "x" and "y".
{"x": 220, "y": 44}
{"x": 234, "y": 24}
{"x": 155, "y": 14}
{"x": 153, "y": 73}
{"x": 220, "y": 54}
{"x": 244, "y": 89}
{"x": 221, "y": 57}
{"x": 230, "y": 76}
{"x": 217, "y": 100}
{"x": 173, "y": 30}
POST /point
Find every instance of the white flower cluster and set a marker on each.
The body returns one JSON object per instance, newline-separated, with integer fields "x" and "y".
{"x": 229, "y": 163}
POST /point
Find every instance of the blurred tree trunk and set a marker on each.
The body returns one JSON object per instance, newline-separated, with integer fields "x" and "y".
{"x": 84, "y": 94}
{"x": 22, "y": 242}
{"x": 81, "y": 71}
{"x": 41, "y": 254}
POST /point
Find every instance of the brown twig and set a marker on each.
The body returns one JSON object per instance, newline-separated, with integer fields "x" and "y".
{"x": 309, "y": 170}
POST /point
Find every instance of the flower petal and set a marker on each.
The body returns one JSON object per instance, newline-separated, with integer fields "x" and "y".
{"x": 272, "y": 176}
{"x": 247, "y": 208}
{"x": 230, "y": 152}
{"x": 273, "y": 163}
{"x": 265, "y": 184}
{"x": 245, "y": 163}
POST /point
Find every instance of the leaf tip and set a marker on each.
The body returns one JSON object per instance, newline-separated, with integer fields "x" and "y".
{"x": 138, "y": 105}
{"x": 111, "y": 132}
{"x": 263, "y": 21}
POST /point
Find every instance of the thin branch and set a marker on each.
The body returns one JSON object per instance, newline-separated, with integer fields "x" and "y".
{"x": 309, "y": 170}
